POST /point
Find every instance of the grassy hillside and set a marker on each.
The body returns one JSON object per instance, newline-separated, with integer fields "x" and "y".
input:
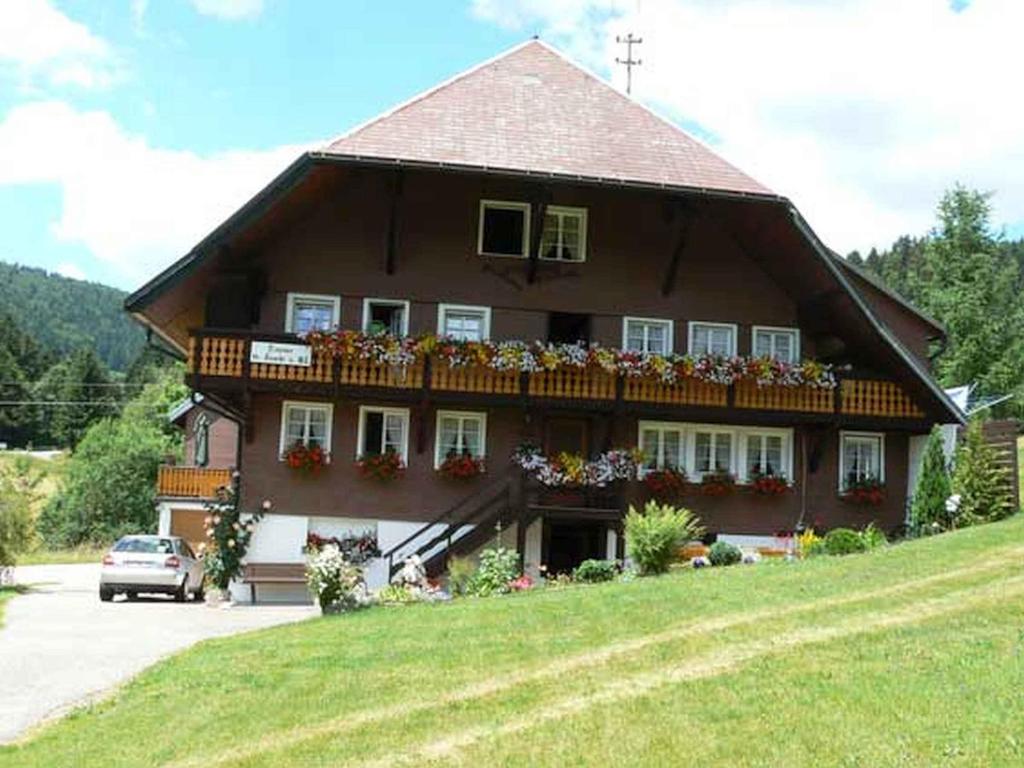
{"x": 63, "y": 314}
{"x": 910, "y": 656}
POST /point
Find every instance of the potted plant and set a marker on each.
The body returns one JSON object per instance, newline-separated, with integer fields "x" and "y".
{"x": 306, "y": 458}
{"x": 867, "y": 491}
{"x": 665, "y": 485}
{"x": 383, "y": 467}
{"x": 461, "y": 466}
{"x": 717, "y": 483}
{"x": 769, "y": 484}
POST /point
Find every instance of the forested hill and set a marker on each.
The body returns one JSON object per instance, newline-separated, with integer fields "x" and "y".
{"x": 64, "y": 314}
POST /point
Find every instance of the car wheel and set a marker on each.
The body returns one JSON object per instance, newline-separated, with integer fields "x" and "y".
{"x": 181, "y": 592}
{"x": 106, "y": 594}
{"x": 200, "y": 594}
{"x": 132, "y": 595}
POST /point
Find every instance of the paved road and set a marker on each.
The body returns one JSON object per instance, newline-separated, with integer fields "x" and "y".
{"x": 60, "y": 646}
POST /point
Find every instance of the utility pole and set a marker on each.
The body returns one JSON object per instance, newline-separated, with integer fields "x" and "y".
{"x": 629, "y": 41}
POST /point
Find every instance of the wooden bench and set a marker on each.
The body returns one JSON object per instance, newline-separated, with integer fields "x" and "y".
{"x": 272, "y": 573}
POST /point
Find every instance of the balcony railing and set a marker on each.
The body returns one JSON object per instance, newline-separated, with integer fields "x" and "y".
{"x": 223, "y": 355}
{"x": 191, "y": 482}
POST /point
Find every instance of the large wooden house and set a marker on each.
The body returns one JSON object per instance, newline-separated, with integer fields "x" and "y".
{"x": 666, "y": 301}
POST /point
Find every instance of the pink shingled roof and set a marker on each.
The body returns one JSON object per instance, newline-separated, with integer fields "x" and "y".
{"x": 531, "y": 109}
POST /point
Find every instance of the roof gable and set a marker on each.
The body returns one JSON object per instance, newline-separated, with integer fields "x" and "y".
{"x": 533, "y": 110}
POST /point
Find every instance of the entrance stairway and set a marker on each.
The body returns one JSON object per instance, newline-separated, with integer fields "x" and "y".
{"x": 458, "y": 530}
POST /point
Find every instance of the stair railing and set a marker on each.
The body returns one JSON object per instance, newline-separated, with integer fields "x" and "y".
{"x": 489, "y": 493}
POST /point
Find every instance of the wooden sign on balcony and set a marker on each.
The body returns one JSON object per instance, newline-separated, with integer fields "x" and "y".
{"x": 276, "y": 353}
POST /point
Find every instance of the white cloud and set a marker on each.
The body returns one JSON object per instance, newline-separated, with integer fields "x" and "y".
{"x": 861, "y": 111}
{"x": 67, "y": 269}
{"x": 38, "y": 41}
{"x": 132, "y": 205}
{"x": 229, "y": 9}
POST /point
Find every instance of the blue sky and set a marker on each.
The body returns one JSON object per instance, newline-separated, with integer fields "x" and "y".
{"x": 128, "y": 128}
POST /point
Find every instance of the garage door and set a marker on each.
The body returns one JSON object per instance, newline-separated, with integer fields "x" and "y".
{"x": 188, "y": 523}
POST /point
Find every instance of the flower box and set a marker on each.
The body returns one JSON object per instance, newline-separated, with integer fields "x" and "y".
{"x": 461, "y": 467}
{"x": 717, "y": 484}
{"x": 769, "y": 485}
{"x": 383, "y": 467}
{"x": 864, "y": 492}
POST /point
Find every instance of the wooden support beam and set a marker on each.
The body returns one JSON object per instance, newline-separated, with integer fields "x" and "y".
{"x": 538, "y": 211}
{"x": 392, "y": 248}
{"x": 684, "y": 217}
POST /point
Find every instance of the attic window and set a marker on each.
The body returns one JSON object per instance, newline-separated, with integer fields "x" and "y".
{"x": 504, "y": 228}
{"x": 565, "y": 234}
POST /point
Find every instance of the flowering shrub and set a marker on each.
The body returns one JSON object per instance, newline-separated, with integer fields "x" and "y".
{"x": 521, "y": 584}
{"x": 498, "y": 568}
{"x": 461, "y": 467}
{"x": 310, "y": 459}
{"x": 844, "y": 541}
{"x": 867, "y": 491}
{"x": 522, "y": 357}
{"x": 228, "y": 536}
{"x": 717, "y": 483}
{"x": 769, "y": 485}
{"x": 809, "y": 544}
{"x": 381, "y": 466}
{"x": 567, "y": 469}
{"x": 336, "y": 581}
{"x": 666, "y": 484}
{"x": 357, "y": 549}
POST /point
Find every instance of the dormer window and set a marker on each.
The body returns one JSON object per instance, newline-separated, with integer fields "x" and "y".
{"x": 565, "y": 234}
{"x": 504, "y": 228}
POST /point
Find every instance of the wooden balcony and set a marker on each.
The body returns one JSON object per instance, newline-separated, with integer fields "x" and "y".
{"x": 223, "y": 359}
{"x": 191, "y": 482}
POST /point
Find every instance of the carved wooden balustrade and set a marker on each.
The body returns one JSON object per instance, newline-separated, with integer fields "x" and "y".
{"x": 226, "y": 356}
{"x": 191, "y": 482}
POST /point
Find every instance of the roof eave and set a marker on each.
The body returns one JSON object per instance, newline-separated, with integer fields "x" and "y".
{"x": 829, "y": 260}
{"x": 282, "y": 183}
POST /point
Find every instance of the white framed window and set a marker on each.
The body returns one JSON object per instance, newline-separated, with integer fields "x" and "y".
{"x": 700, "y": 449}
{"x": 306, "y": 423}
{"x": 647, "y": 334}
{"x": 765, "y": 452}
{"x": 564, "y": 237}
{"x": 861, "y": 457}
{"x": 307, "y": 312}
{"x": 382, "y": 430}
{"x": 464, "y": 322}
{"x": 460, "y": 433}
{"x": 780, "y": 343}
{"x": 663, "y": 444}
{"x": 712, "y": 451}
{"x": 386, "y": 316}
{"x": 504, "y": 229}
{"x": 712, "y": 338}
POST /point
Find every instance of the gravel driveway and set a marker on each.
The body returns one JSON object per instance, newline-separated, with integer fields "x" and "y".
{"x": 60, "y": 646}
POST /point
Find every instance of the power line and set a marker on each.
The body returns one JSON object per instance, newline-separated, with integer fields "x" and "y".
{"x": 629, "y": 41}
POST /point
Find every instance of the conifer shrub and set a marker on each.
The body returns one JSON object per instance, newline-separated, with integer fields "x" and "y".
{"x": 928, "y": 508}
{"x": 724, "y": 553}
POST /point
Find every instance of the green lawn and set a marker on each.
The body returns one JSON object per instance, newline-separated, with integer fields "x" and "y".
{"x": 907, "y": 656}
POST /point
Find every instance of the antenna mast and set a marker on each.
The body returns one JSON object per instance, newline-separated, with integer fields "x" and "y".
{"x": 629, "y": 62}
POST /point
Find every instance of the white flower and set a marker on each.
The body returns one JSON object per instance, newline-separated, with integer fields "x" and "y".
{"x": 953, "y": 503}
{"x": 267, "y": 505}
{"x": 231, "y": 543}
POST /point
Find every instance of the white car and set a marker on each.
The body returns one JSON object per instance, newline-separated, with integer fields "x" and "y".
{"x": 164, "y": 564}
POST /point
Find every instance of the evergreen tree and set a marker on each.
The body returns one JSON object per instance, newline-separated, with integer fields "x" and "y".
{"x": 933, "y": 488}
{"x": 980, "y": 483}
{"x": 80, "y": 392}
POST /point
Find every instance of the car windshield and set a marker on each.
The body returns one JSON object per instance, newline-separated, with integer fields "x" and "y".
{"x": 147, "y": 546}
